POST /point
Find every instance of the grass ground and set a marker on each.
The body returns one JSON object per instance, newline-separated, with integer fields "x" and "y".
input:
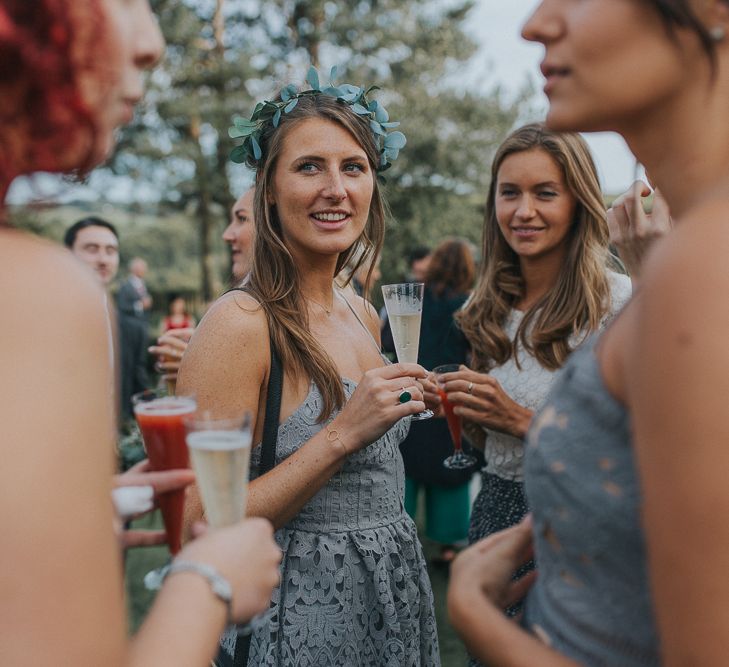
{"x": 140, "y": 561}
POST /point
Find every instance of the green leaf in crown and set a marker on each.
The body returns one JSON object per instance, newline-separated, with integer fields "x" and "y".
{"x": 270, "y": 113}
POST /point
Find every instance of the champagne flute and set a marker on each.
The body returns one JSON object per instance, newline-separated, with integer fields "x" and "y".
{"x": 161, "y": 420}
{"x": 459, "y": 459}
{"x": 404, "y": 304}
{"x": 220, "y": 451}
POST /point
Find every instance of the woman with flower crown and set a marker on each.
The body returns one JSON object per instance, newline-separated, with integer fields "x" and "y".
{"x": 354, "y": 587}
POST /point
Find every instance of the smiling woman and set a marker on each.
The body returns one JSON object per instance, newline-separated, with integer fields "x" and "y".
{"x": 544, "y": 285}
{"x": 354, "y": 588}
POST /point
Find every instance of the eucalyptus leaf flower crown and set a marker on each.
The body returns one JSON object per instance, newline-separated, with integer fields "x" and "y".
{"x": 268, "y": 113}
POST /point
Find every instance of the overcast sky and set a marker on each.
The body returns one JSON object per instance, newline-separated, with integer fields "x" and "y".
{"x": 512, "y": 62}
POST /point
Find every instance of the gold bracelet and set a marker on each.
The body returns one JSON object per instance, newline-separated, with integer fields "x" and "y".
{"x": 333, "y": 436}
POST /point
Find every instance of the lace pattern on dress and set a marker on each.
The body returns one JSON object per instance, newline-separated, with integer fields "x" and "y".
{"x": 354, "y": 585}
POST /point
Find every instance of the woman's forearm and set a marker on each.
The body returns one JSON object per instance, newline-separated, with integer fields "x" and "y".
{"x": 183, "y": 626}
{"x": 280, "y": 494}
{"x": 495, "y": 639}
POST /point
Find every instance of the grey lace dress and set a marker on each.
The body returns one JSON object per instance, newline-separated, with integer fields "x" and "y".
{"x": 354, "y": 586}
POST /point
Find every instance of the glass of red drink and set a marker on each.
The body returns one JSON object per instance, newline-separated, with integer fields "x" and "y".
{"x": 459, "y": 459}
{"x": 161, "y": 420}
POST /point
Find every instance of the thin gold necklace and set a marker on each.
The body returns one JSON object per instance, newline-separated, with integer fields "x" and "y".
{"x": 329, "y": 310}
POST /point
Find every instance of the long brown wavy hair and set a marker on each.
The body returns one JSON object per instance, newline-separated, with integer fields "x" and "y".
{"x": 581, "y": 296}
{"x": 275, "y": 280}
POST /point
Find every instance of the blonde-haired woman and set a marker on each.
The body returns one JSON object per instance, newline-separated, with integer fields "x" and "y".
{"x": 354, "y": 586}
{"x": 543, "y": 286}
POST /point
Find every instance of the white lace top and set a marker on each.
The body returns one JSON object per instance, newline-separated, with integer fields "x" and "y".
{"x": 528, "y": 386}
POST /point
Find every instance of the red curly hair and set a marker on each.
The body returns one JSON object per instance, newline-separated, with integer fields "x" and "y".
{"x": 45, "y": 45}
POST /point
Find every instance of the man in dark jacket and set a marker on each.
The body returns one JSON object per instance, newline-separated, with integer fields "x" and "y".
{"x": 95, "y": 242}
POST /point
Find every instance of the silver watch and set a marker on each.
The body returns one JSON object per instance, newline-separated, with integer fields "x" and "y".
{"x": 218, "y": 583}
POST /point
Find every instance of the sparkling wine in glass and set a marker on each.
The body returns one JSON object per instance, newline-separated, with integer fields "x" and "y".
{"x": 220, "y": 450}
{"x": 459, "y": 459}
{"x": 404, "y": 304}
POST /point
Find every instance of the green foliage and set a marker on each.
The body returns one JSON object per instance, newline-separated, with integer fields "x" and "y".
{"x": 222, "y": 55}
{"x": 269, "y": 113}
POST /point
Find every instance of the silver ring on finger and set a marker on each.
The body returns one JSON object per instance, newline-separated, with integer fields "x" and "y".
{"x": 470, "y": 388}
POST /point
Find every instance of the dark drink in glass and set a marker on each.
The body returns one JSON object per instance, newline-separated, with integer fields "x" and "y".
{"x": 459, "y": 459}
{"x": 161, "y": 420}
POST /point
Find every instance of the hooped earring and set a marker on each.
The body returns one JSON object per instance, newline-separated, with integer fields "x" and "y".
{"x": 718, "y": 33}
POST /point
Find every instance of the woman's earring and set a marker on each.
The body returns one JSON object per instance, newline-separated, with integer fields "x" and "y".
{"x": 718, "y": 33}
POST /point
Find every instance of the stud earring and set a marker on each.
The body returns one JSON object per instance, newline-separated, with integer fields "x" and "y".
{"x": 718, "y": 33}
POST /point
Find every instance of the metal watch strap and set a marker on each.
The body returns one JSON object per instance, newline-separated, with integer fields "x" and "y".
{"x": 218, "y": 583}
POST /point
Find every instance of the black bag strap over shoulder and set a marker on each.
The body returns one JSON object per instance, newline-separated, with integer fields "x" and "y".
{"x": 273, "y": 412}
{"x": 267, "y": 463}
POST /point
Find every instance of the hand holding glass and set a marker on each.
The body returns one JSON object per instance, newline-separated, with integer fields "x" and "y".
{"x": 459, "y": 459}
{"x": 161, "y": 420}
{"x": 404, "y": 304}
{"x": 220, "y": 450}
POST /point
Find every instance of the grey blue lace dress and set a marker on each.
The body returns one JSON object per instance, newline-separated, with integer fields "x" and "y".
{"x": 354, "y": 586}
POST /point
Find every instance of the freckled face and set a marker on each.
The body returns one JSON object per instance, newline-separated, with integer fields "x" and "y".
{"x": 322, "y": 188}
{"x": 534, "y": 208}
{"x": 609, "y": 64}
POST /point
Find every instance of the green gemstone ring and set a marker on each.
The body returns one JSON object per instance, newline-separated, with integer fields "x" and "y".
{"x": 404, "y": 396}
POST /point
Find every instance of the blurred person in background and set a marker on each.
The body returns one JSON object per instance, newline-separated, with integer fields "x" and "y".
{"x": 448, "y": 282}
{"x": 239, "y": 235}
{"x": 177, "y": 316}
{"x": 418, "y": 263}
{"x": 133, "y": 297}
{"x": 95, "y": 242}
{"x": 70, "y": 74}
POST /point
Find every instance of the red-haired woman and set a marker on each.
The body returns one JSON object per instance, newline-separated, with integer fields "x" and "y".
{"x": 70, "y": 74}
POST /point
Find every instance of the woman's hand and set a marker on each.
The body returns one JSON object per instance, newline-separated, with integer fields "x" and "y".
{"x": 632, "y": 231}
{"x": 169, "y": 350}
{"x": 161, "y": 481}
{"x": 246, "y": 555}
{"x": 487, "y": 568}
{"x": 480, "y": 398}
{"x": 375, "y": 405}
{"x": 431, "y": 396}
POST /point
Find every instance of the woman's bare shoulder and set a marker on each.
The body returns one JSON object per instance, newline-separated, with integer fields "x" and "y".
{"x": 230, "y": 344}
{"x": 235, "y": 311}
{"x": 689, "y": 264}
{"x": 35, "y": 272}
